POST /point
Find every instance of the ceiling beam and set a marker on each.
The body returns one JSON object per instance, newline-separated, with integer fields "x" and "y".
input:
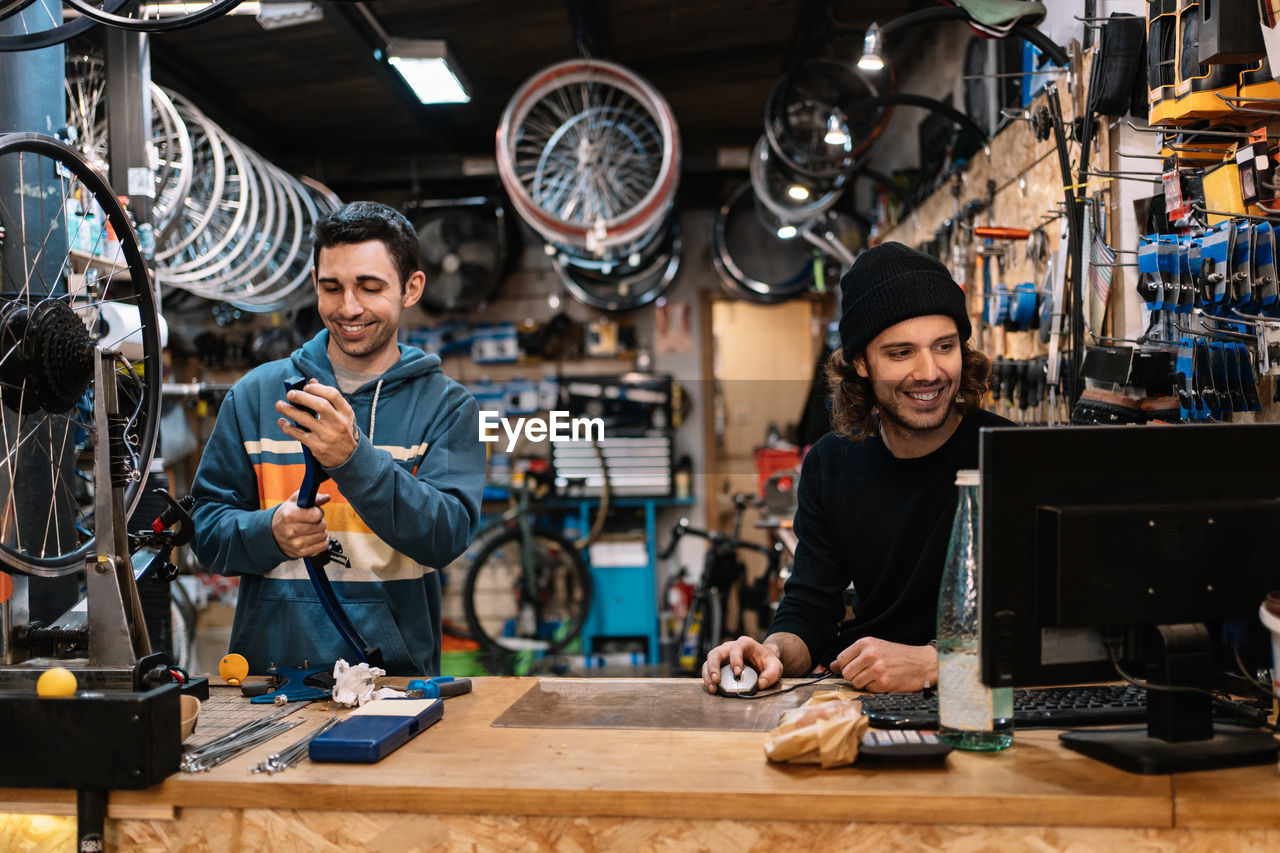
{"x": 591, "y": 31}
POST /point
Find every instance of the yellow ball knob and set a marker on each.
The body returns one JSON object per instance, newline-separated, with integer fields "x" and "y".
{"x": 58, "y": 681}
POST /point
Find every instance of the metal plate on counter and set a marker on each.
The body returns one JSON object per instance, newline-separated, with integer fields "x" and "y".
{"x": 588, "y": 703}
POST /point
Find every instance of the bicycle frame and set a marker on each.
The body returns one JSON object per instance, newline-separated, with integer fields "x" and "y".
{"x": 723, "y": 547}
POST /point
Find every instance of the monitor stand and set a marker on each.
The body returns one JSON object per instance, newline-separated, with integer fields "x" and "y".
{"x": 1180, "y": 734}
{"x": 1132, "y": 749}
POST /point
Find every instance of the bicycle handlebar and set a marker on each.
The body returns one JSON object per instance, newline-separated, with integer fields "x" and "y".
{"x": 716, "y": 538}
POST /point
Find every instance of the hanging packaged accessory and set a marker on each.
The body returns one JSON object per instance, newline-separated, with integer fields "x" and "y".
{"x": 1196, "y": 93}
{"x": 1185, "y": 388}
{"x": 1229, "y": 32}
{"x": 1162, "y": 38}
{"x": 1117, "y": 64}
{"x": 1264, "y": 267}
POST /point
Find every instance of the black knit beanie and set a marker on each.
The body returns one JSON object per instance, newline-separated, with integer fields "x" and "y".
{"x": 890, "y": 283}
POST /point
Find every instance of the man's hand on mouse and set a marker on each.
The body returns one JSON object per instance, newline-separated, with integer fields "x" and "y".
{"x": 884, "y": 667}
{"x": 744, "y": 650}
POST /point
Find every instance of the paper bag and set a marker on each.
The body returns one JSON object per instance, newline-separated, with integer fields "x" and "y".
{"x": 825, "y": 730}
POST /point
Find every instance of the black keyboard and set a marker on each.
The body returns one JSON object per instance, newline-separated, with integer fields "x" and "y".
{"x": 1045, "y": 707}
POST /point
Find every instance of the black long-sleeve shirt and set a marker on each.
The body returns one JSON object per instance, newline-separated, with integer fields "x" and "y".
{"x": 883, "y": 523}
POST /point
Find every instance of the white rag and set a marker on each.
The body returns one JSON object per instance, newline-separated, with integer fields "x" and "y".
{"x": 354, "y": 685}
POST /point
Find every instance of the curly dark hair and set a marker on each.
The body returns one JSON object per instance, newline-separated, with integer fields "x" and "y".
{"x": 853, "y": 400}
{"x": 361, "y": 221}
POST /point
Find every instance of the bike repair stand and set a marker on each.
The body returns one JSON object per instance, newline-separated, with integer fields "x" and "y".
{"x": 121, "y": 730}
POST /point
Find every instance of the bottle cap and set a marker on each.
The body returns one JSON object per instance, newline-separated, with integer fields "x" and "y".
{"x": 968, "y": 477}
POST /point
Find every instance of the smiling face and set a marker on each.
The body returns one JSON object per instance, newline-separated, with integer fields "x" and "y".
{"x": 914, "y": 368}
{"x": 360, "y": 298}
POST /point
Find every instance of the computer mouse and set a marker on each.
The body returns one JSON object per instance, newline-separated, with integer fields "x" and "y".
{"x": 737, "y": 685}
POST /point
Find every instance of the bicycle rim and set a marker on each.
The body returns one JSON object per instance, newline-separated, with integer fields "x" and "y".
{"x": 53, "y": 313}
{"x": 178, "y": 15}
{"x": 494, "y": 594}
{"x": 42, "y": 26}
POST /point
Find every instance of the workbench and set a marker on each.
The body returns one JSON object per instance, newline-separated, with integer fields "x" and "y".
{"x": 466, "y": 785}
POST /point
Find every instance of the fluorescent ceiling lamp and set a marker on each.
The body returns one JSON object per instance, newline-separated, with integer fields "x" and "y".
{"x": 424, "y": 65}
{"x": 872, "y": 58}
{"x": 836, "y": 134}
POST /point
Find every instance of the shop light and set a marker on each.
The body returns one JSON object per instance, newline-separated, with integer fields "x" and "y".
{"x": 786, "y": 232}
{"x": 836, "y": 134}
{"x": 424, "y": 65}
{"x": 798, "y": 192}
{"x": 872, "y": 58}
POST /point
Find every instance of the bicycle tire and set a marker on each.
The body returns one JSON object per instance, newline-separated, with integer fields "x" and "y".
{"x": 33, "y": 285}
{"x": 739, "y": 282}
{"x": 202, "y": 12}
{"x": 709, "y": 613}
{"x": 626, "y": 288}
{"x": 13, "y": 7}
{"x": 56, "y": 34}
{"x": 492, "y": 591}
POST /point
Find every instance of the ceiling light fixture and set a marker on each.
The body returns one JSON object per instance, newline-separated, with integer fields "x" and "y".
{"x": 425, "y": 65}
{"x": 872, "y": 58}
{"x": 786, "y": 232}
{"x": 836, "y": 134}
{"x": 798, "y": 192}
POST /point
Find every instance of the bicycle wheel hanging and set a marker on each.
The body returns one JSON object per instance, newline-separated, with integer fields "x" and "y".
{"x": 168, "y": 147}
{"x": 503, "y": 617}
{"x": 788, "y": 199}
{"x": 161, "y": 17}
{"x": 623, "y": 285}
{"x": 755, "y": 263}
{"x": 60, "y": 297}
{"x": 590, "y": 155}
{"x": 811, "y": 121}
{"x": 42, "y": 25}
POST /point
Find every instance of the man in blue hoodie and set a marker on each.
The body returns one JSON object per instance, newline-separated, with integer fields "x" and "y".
{"x": 399, "y": 439}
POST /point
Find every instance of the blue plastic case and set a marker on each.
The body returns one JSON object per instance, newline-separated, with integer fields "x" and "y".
{"x": 373, "y": 731}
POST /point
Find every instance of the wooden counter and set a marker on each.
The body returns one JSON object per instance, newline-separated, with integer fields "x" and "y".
{"x": 463, "y": 783}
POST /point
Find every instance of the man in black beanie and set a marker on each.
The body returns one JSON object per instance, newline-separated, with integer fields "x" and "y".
{"x": 877, "y": 494}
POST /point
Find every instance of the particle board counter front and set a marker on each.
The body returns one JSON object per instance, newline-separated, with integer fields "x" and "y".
{"x": 464, "y": 782}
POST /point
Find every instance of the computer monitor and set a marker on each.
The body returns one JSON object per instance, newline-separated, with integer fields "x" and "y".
{"x": 1153, "y": 545}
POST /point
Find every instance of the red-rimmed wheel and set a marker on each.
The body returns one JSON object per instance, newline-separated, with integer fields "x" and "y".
{"x": 589, "y": 153}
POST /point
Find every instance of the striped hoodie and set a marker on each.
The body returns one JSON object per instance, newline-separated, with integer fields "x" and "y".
{"x": 406, "y": 503}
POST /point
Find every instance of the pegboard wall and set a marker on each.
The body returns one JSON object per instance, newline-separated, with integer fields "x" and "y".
{"x": 1028, "y": 194}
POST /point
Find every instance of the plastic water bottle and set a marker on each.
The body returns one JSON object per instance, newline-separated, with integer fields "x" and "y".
{"x": 970, "y": 714}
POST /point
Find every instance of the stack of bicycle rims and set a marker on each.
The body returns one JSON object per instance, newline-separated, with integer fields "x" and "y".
{"x": 229, "y": 226}
{"x": 589, "y": 154}
{"x": 814, "y": 135}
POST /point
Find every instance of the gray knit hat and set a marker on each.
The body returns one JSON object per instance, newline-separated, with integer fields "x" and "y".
{"x": 890, "y": 283}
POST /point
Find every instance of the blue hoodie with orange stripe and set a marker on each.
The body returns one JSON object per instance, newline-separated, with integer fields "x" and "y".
{"x": 404, "y": 505}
